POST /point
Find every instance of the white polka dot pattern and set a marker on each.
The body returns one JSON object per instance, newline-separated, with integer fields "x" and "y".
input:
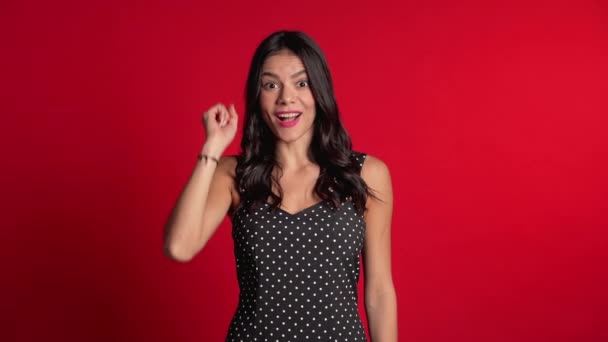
{"x": 298, "y": 273}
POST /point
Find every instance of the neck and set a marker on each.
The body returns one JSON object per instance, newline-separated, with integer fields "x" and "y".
{"x": 293, "y": 155}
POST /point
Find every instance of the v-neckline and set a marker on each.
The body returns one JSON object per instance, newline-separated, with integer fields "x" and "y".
{"x": 299, "y": 212}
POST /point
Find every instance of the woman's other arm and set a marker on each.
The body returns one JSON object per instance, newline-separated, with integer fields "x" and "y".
{"x": 380, "y": 296}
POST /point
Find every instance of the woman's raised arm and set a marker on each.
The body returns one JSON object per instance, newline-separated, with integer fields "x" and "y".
{"x": 207, "y": 196}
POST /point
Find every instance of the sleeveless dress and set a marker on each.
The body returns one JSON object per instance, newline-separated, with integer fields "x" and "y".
{"x": 298, "y": 273}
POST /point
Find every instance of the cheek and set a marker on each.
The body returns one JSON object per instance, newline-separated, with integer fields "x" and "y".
{"x": 267, "y": 100}
{"x": 310, "y": 100}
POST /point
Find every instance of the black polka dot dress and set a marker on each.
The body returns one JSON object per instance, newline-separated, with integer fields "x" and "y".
{"x": 298, "y": 273}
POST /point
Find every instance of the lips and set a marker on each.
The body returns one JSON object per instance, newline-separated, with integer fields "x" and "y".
{"x": 288, "y": 118}
{"x": 287, "y": 115}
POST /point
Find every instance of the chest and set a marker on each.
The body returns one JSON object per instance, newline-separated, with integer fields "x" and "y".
{"x": 316, "y": 232}
{"x": 298, "y": 191}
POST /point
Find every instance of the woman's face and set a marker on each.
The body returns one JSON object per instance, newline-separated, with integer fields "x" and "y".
{"x": 286, "y": 100}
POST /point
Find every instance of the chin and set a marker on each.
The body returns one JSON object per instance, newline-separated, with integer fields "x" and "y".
{"x": 295, "y": 136}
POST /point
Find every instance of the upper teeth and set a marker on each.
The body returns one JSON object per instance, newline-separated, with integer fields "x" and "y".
{"x": 288, "y": 115}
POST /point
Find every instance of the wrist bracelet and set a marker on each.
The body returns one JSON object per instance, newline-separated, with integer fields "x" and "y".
{"x": 206, "y": 157}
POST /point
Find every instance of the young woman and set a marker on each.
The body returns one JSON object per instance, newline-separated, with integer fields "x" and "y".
{"x": 304, "y": 206}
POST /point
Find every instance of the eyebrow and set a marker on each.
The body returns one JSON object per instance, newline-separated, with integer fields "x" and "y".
{"x": 268, "y": 73}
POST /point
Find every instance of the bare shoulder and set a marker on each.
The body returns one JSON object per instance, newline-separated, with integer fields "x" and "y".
{"x": 227, "y": 165}
{"x": 376, "y": 175}
{"x": 374, "y": 170}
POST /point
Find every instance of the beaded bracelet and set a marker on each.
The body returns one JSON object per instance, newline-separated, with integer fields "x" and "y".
{"x": 206, "y": 157}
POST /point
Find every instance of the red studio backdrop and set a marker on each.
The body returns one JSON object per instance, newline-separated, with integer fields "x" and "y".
{"x": 491, "y": 115}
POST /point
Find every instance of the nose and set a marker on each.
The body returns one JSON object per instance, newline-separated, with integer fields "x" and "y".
{"x": 287, "y": 95}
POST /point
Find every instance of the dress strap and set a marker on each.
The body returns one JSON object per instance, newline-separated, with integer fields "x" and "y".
{"x": 358, "y": 158}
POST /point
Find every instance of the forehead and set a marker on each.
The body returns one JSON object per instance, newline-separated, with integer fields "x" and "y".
{"x": 283, "y": 62}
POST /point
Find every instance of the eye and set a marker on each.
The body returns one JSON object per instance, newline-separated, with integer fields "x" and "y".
{"x": 303, "y": 83}
{"x": 270, "y": 85}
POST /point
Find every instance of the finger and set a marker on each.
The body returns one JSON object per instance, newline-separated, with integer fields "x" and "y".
{"x": 233, "y": 115}
{"x": 211, "y": 112}
{"x": 226, "y": 117}
{"x": 222, "y": 119}
{"x": 210, "y": 117}
{"x": 221, "y": 114}
{"x": 208, "y": 120}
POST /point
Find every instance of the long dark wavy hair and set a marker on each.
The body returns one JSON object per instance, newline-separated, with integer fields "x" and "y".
{"x": 331, "y": 146}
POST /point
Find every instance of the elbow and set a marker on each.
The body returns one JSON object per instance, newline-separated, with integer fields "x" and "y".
{"x": 375, "y": 298}
{"x": 179, "y": 245}
{"x": 177, "y": 253}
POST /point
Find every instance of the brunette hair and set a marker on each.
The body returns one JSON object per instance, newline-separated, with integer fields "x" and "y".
{"x": 331, "y": 146}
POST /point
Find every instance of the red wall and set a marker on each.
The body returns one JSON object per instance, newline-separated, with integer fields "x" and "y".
{"x": 491, "y": 115}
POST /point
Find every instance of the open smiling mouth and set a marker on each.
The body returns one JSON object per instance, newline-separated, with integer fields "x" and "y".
{"x": 289, "y": 117}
